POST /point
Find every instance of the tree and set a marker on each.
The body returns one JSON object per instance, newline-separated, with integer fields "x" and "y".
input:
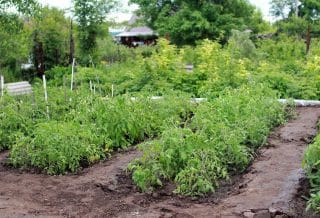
{"x": 14, "y": 44}
{"x": 282, "y": 8}
{"x": 90, "y": 14}
{"x": 72, "y": 44}
{"x": 299, "y": 17}
{"x": 310, "y": 11}
{"x": 188, "y": 21}
{"x": 50, "y": 39}
{"x": 24, "y": 6}
{"x": 38, "y": 54}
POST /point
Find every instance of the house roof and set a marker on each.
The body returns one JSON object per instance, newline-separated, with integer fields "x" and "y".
{"x": 138, "y": 31}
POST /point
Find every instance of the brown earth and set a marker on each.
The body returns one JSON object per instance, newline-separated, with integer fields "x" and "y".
{"x": 272, "y": 187}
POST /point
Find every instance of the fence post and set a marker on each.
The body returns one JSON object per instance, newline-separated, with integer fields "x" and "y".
{"x": 72, "y": 73}
{"x": 90, "y": 82}
{"x": 45, "y": 94}
{"x": 2, "y": 85}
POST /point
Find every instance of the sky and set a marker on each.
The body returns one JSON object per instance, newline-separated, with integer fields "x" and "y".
{"x": 263, "y": 5}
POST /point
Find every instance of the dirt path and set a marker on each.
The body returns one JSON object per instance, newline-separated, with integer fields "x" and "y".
{"x": 270, "y": 187}
{"x": 29, "y": 195}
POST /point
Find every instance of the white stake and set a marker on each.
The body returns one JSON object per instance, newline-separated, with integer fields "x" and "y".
{"x": 45, "y": 93}
{"x": 90, "y": 86}
{"x": 2, "y": 85}
{"x": 72, "y": 73}
{"x": 112, "y": 90}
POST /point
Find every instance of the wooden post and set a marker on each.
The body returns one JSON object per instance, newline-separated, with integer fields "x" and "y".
{"x": 2, "y": 85}
{"x": 45, "y": 94}
{"x": 308, "y": 40}
{"x": 72, "y": 73}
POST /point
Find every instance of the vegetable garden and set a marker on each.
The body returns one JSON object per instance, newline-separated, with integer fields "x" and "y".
{"x": 194, "y": 145}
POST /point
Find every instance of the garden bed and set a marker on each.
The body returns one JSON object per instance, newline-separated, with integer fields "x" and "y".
{"x": 105, "y": 190}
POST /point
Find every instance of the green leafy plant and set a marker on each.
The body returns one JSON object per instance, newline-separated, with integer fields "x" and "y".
{"x": 57, "y": 147}
{"x": 311, "y": 163}
{"x": 218, "y": 141}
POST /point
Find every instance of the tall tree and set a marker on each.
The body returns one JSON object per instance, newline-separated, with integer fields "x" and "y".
{"x": 297, "y": 15}
{"x": 90, "y": 14}
{"x": 282, "y": 8}
{"x": 38, "y": 54}
{"x": 72, "y": 44}
{"x": 310, "y": 11}
{"x": 50, "y": 37}
{"x": 14, "y": 44}
{"x": 23, "y": 6}
{"x": 188, "y": 21}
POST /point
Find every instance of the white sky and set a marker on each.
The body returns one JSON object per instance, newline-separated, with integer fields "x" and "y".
{"x": 63, "y": 4}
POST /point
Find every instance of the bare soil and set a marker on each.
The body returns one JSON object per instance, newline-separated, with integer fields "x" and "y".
{"x": 273, "y": 186}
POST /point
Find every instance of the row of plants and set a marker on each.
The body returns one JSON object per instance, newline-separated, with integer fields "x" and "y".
{"x": 311, "y": 163}
{"x": 82, "y": 128}
{"x": 218, "y": 141}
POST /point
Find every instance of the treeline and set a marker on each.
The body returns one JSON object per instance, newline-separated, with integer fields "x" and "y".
{"x": 49, "y": 37}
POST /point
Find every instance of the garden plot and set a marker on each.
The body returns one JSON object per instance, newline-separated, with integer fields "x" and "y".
{"x": 106, "y": 190}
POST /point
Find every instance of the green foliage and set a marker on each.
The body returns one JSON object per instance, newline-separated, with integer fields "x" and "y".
{"x": 217, "y": 141}
{"x": 57, "y": 147}
{"x": 220, "y": 69}
{"x": 310, "y": 10}
{"x": 55, "y": 75}
{"x": 15, "y": 119}
{"x": 286, "y": 70}
{"x": 312, "y": 165}
{"x": 84, "y": 128}
{"x": 241, "y": 45}
{"x": 293, "y": 26}
{"x": 24, "y": 6}
{"x": 188, "y": 21}
{"x": 52, "y": 29}
{"x": 90, "y": 16}
{"x": 14, "y": 45}
{"x": 281, "y": 8}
